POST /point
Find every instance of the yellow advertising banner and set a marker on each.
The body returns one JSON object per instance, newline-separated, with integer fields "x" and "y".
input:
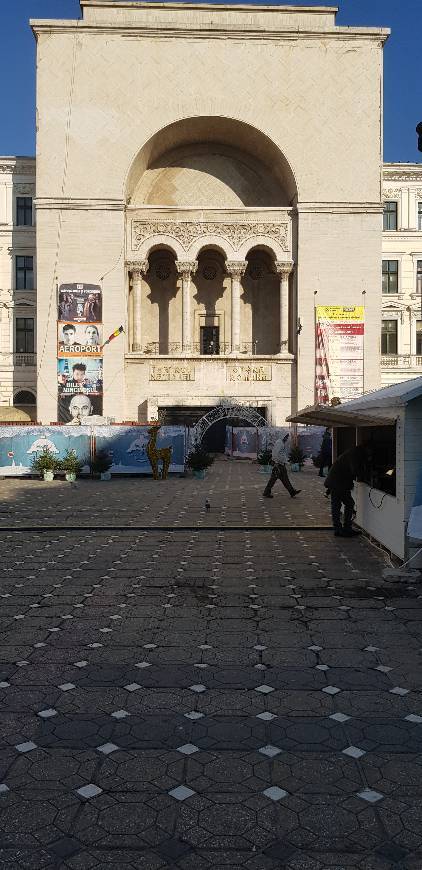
{"x": 340, "y": 313}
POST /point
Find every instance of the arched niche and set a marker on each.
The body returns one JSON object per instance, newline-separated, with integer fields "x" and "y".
{"x": 211, "y": 163}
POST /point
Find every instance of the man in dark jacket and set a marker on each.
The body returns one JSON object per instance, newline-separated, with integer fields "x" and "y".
{"x": 325, "y": 453}
{"x": 339, "y": 482}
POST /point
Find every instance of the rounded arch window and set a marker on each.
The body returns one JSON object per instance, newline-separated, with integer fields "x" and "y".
{"x": 25, "y": 397}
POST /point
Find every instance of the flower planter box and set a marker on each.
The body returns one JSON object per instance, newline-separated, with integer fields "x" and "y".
{"x": 265, "y": 469}
{"x": 199, "y": 473}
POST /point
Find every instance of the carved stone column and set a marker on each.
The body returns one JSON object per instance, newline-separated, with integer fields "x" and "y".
{"x": 283, "y": 270}
{"x": 186, "y": 270}
{"x": 138, "y": 270}
{"x": 236, "y": 268}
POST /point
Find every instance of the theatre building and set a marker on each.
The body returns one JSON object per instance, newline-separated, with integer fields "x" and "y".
{"x": 209, "y": 176}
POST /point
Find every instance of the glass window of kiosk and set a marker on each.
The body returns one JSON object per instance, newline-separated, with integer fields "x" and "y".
{"x": 380, "y": 472}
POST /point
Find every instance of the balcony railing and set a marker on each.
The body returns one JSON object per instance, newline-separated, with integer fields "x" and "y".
{"x": 18, "y": 359}
{"x": 172, "y": 348}
{"x": 401, "y": 361}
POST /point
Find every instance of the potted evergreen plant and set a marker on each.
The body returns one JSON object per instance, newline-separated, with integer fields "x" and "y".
{"x": 45, "y": 464}
{"x": 199, "y": 460}
{"x": 264, "y": 461}
{"x": 71, "y": 465}
{"x": 101, "y": 465}
{"x": 296, "y": 458}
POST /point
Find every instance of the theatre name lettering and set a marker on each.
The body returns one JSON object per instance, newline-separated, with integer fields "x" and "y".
{"x": 249, "y": 373}
{"x": 172, "y": 373}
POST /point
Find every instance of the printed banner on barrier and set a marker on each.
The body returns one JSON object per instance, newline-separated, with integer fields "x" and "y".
{"x": 19, "y": 445}
{"x": 339, "y": 352}
{"x": 127, "y": 446}
{"x": 245, "y": 442}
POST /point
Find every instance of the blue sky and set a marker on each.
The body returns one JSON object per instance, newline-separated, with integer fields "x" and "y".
{"x": 402, "y": 80}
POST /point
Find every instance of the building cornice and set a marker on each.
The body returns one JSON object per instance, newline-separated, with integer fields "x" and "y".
{"x": 340, "y": 207}
{"x": 242, "y": 7}
{"x": 207, "y": 31}
{"x": 57, "y": 202}
{"x": 17, "y": 166}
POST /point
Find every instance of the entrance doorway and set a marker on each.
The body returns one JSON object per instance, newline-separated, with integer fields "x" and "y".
{"x": 214, "y": 439}
{"x": 210, "y": 340}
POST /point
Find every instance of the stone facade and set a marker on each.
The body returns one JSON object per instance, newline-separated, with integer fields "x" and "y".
{"x": 402, "y": 279}
{"x": 214, "y": 169}
{"x": 17, "y": 306}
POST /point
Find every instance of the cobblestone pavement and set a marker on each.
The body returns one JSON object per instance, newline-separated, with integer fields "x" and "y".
{"x": 196, "y": 696}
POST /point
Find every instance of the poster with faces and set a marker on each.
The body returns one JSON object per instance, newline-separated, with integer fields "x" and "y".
{"x": 79, "y": 339}
{"x": 79, "y": 353}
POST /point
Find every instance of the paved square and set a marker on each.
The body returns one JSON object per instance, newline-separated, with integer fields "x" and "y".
{"x": 301, "y": 748}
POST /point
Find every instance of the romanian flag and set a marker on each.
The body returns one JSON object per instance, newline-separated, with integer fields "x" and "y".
{"x": 113, "y": 335}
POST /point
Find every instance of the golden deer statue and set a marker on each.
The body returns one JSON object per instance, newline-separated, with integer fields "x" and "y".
{"x": 158, "y": 454}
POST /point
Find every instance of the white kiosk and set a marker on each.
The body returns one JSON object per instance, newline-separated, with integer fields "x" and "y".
{"x": 391, "y": 420}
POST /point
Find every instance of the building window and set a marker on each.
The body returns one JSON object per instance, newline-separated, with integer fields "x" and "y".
{"x": 24, "y": 211}
{"x": 390, "y": 215}
{"x": 390, "y": 276}
{"x": 419, "y": 215}
{"x": 24, "y": 335}
{"x": 24, "y": 273}
{"x": 419, "y": 337}
{"x": 389, "y": 337}
{"x": 419, "y": 276}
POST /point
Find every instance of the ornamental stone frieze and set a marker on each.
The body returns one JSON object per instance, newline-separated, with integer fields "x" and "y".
{"x": 187, "y": 232}
{"x": 391, "y": 192}
{"x": 25, "y": 189}
{"x": 18, "y": 169}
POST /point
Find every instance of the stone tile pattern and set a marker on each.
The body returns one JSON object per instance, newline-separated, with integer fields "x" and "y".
{"x": 230, "y": 776}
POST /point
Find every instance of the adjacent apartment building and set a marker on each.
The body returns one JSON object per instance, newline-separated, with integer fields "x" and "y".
{"x": 18, "y": 294}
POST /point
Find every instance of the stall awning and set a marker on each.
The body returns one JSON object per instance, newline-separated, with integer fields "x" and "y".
{"x": 325, "y": 415}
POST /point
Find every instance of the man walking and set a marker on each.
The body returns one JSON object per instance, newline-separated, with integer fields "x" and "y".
{"x": 339, "y": 483}
{"x": 280, "y": 457}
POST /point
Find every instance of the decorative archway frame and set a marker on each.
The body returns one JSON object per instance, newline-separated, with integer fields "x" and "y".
{"x": 225, "y": 411}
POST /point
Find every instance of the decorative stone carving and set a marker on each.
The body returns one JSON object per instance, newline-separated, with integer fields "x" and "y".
{"x": 236, "y": 268}
{"x": 209, "y": 272}
{"x": 138, "y": 268}
{"x": 186, "y": 232}
{"x": 391, "y": 192}
{"x": 25, "y": 189}
{"x": 162, "y": 271}
{"x": 23, "y": 169}
{"x": 256, "y": 271}
{"x": 172, "y": 372}
{"x": 249, "y": 373}
{"x": 186, "y": 269}
{"x": 284, "y": 268}
{"x": 401, "y": 175}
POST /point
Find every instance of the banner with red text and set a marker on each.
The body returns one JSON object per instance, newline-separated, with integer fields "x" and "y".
{"x": 339, "y": 346}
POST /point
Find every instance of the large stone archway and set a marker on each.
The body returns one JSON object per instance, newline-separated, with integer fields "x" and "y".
{"x": 221, "y": 412}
